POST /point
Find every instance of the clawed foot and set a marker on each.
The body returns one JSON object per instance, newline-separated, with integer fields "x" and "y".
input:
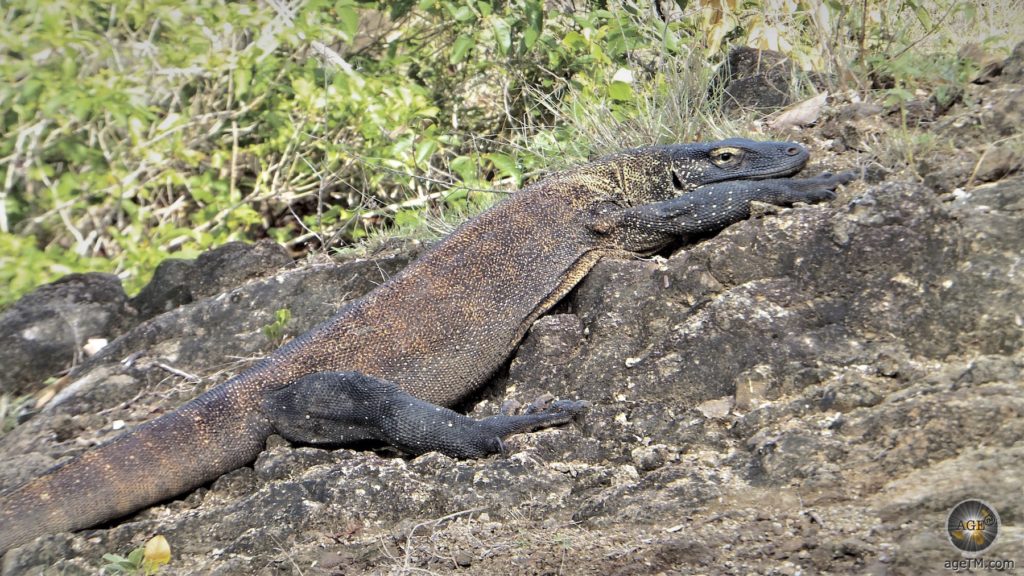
{"x": 819, "y": 188}
{"x": 544, "y": 406}
{"x": 542, "y": 413}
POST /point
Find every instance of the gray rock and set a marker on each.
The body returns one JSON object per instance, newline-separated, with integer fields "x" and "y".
{"x": 43, "y": 333}
{"x": 176, "y": 282}
{"x": 1006, "y": 113}
{"x": 1013, "y": 66}
{"x": 170, "y": 287}
{"x": 806, "y": 392}
{"x": 763, "y": 80}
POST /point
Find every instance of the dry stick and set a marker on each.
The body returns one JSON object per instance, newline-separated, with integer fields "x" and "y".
{"x": 393, "y": 207}
{"x": 284, "y": 550}
{"x": 863, "y": 31}
{"x": 331, "y": 57}
{"x": 435, "y": 523}
{"x": 194, "y": 123}
{"x": 32, "y": 133}
{"x": 12, "y": 162}
{"x": 219, "y": 218}
{"x": 234, "y": 159}
{"x": 62, "y": 210}
{"x": 927, "y": 33}
{"x": 289, "y": 151}
{"x": 289, "y": 176}
{"x": 390, "y": 208}
{"x": 977, "y": 165}
{"x": 189, "y": 377}
{"x": 319, "y": 206}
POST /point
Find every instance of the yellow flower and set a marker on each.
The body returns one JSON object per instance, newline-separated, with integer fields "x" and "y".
{"x": 156, "y": 554}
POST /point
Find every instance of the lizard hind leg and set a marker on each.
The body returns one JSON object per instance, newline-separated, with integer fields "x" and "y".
{"x": 345, "y": 407}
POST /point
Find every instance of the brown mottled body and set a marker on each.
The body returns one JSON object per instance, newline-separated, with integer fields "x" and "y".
{"x": 438, "y": 330}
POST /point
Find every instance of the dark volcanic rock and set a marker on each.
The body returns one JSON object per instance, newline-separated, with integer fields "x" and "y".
{"x": 176, "y": 282}
{"x": 762, "y": 80}
{"x": 43, "y": 333}
{"x": 1013, "y": 66}
{"x": 807, "y": 392}
{"x": 1006, "y": 114}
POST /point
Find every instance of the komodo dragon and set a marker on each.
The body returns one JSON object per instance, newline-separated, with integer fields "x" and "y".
{"x": 384, "y": 366}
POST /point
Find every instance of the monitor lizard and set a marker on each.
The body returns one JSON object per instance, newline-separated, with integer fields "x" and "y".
{"x": 386, "y": 365}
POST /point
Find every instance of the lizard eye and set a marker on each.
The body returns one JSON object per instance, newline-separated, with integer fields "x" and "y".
{"x": 726, "y": 156}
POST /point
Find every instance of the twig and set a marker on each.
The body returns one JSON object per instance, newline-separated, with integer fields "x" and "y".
{"x": 331, "y": 57}
{"x": 977, "y": 165}
{"x": 927, "y": 33}
{"x": 190, "y": 377}
{"x": 435, "y": 523}
{"x": 234, "y": 159}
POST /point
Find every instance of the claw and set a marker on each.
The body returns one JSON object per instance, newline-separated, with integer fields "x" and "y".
{"x": 574, "y": 407}
{"x": 540, "y": 404}
{"x": 847, "y": 177}
{"x": 502, "y": 447}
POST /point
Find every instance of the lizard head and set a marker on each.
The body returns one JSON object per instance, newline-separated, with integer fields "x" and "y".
{"x": 693, "y": 165}
{"x": 657, "y": 173}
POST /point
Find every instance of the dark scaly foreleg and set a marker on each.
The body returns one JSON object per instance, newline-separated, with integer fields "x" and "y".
{"x": 708, "y": 209}
{"x": 344, "y": 407}
{"x": 712, "y": 207}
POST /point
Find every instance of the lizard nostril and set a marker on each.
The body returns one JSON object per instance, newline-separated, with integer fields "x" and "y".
{"x": 793, "y": 150}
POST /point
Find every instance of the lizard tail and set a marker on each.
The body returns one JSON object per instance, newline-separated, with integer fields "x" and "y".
{"x": 213, "y": 434}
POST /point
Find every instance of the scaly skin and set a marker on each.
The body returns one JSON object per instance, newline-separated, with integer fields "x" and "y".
{"x": 438, "y": 331}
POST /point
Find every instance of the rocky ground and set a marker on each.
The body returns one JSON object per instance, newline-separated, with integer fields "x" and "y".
{"x": 810, "y": 391}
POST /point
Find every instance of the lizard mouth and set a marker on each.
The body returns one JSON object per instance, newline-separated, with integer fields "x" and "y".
{"x": 780, "y": 173}
{"x": 798, "y": 157}
{"x": 796, "y": 166}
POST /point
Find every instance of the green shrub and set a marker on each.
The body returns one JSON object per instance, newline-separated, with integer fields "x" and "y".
{"x": 135, "y": 129}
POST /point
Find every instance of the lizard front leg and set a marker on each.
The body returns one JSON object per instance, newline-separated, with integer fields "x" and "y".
{"x": 344, "y": 407}
{"x": 710, "y": 208}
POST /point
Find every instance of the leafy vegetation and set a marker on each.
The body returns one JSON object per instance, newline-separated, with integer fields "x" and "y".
{"x": 275, "y": 331}
{"x": 10, "y": 407}
{"x": 132, "y": 130}
{"x": 145, "y": 560}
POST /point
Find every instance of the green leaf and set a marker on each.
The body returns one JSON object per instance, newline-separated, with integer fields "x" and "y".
{"x": 424, "y": 150}
{"x": 534, "y": 23}
{"x": 460, "y": 49}
{"x": 242, "y": 77}
{"x": 923, "y": 17}
{"x": 574, "y": 40}
{"x": 135, "y": 557}
{"x": 458, "y": 195}
{"x": 969, "y": 11}
{"x": 348, "y": 17}
{"x": 464, "y": 166}
{"x": 464, "y": 14}
{"x": 408, "y": 218}
{"x": 401, "y": 8}
{"x": 620, "y": 91}
{"x": 506, "y": 166}
{"x": 670, "y": 40}
{"x": 897, "y": 96}
{"x": 502, "y": 35}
